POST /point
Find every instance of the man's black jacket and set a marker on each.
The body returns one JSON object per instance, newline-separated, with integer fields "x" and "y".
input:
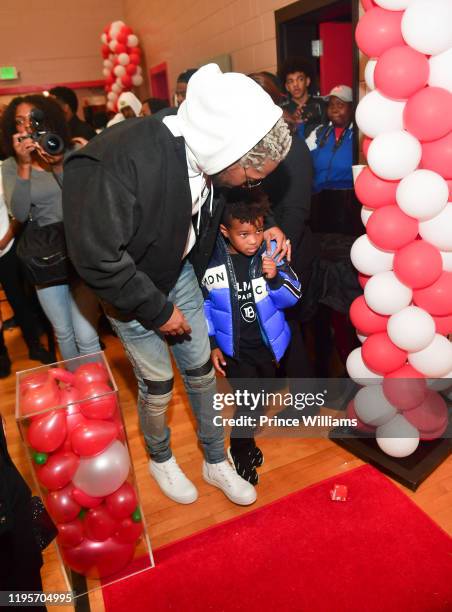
{"x": 127, "y": 212}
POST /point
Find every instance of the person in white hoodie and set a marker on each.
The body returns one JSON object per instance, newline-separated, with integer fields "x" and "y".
{"x": 132, "y": 199}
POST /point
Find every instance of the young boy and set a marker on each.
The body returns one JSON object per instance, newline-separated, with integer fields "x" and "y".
{"x": 245, "y": 293}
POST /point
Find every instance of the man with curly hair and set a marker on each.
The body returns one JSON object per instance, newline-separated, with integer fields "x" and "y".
{"x": 132, "y": 200}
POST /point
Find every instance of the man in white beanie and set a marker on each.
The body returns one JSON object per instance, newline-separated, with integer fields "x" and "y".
{"x": 129, "y": 105}
{"x": 132, "y": 200}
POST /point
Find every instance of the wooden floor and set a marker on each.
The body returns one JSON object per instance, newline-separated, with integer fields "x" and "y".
{"x": 290, "y": 464}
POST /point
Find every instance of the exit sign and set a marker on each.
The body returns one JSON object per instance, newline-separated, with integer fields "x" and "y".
{"x": 8, "y": 73}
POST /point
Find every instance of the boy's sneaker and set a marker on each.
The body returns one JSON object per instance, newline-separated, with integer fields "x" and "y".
{"x": 223, "y": 476}
{"x": 245, "y": 461}
{"x": 173, "y": 482}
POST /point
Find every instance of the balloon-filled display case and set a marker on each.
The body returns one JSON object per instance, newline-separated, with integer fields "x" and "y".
{"x": 71, "y": 424}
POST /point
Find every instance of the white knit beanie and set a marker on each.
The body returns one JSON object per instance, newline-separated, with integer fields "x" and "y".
{"x": 127, "y": 98}
{"x": 224, "y": 116}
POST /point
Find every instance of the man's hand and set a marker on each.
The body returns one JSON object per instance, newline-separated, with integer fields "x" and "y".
{"x": 218, "y": 360}
{"x": 268, "y": 267}
{"x": 176, "y": 325}
{"x": 283, "y": 247}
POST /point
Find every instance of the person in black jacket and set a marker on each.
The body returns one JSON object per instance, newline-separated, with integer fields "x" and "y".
{"x": 67, "y": 99}
{"x": 130, "y": 196}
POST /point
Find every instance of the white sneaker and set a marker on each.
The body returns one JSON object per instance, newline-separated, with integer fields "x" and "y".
{"x": 173, "y": 481}
{"x": 223, "y": 476}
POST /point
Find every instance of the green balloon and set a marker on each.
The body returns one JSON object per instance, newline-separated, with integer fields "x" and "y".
{"x": 82, "y": 514}
{"x": 136, "y": 515}
{"x": 40, "y": 458}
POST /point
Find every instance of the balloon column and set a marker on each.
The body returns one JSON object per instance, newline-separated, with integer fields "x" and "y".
{"x": 73, "y": 427}
{"x": 122, "y": 57}
{"x": 405, "y": 258}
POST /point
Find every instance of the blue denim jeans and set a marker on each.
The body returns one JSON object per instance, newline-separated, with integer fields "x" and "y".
{"x": 149, "y": 353}
{"x": 73, "y": 311}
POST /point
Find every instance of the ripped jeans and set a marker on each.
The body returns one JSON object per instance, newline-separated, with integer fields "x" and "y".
{"x": 150, "y": 356}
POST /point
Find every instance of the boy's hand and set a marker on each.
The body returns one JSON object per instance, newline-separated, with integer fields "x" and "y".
{"x": 268, "y": 267}
{"x": 218, "y": 361}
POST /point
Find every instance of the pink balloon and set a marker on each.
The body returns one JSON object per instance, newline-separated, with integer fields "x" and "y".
{"x": 406, "y": 371}
{"x": 100, "y": 401}
{"x": 351, "y": 414}
{"x": 48, "y": 431}
{"x": 430, "y": 415}
{"x": 70, "y": 534}
{"x": 381, "y": 355}
{"x": 40, "y": 397}
{"x": 379, "y": 30}
{"x": 390, "y": 229}
{"x": 91, "y": 373}
{"x": 418, "y": 264}
{"x": 366, "y": 320}
{"x": 58, "y": 471}
{"x": 368, "y": 4}
{"x": 437, "y": 298}
{"x": 443, "y": 325}
{"x": 61, "y": 506}
{"x": 405, "y": 393}
{"x": 32, "y": 381}
{"x": 128, "y": 531}
{"x": 365, "y": 145}
{"x": 401, "y": 72}
{"x": 99, "y": 524}
{"x": 375, "y": 192}
{"x": 437, "y": 156}
{"x": 98, "y": 559}
{"x": 363, "y": 280}
{"x": 122, "y": 502}
{"x": 427, "y": 114}
{"x": 85, "y": 500}
{"x": 449, "y": 182}
{"x": 93, "y": 437}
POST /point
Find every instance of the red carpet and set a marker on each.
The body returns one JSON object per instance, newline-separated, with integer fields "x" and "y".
{"x": 375, "y": 552}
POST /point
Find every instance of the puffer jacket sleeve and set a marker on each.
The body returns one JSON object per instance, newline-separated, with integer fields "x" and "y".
{"x": 285, "y": 289}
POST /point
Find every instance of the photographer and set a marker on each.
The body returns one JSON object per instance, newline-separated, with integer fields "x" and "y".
{"x": 32, "y": 181}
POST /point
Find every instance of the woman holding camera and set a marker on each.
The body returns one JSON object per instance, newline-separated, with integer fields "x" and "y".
{"x": 32, "y": 181}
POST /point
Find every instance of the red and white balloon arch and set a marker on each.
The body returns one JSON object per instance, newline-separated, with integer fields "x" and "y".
{"x": 122, "y": 57}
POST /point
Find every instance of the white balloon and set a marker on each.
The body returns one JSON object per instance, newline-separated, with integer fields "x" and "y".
{"x": 398, "y": 438}
{"x": 393, "y": 5}
{"x": 438, "y": 231}
{"x": 440, "y": 384}
{"x": 104, "y": 38}
{"x": 386, "y": 295}
{"x": 422, "y": 194}
{"x": 426, "y": 26}
{"x": 132, "y": 40}
{"x": 411, "y": 329}
{"x": 359, "y": 372}
{"x": 115, "y": 27}
{"x": 366, "y": 213}
{"x": 137, "y": 79}
{"x": 110, "y": 105}
{"x": 372, "y": 407}
{"x": 394, "y": 155}
{"x": 368, "y": 259}
{"x": 106, "y": 72}
{"x": 361, "y": 337}
{"x": 119, "y": 71}
{"x": 435, "y": 360}
{"x": 377, "y": 114}
{"x": 108, "y": 64}
{"x": 104, "y": 473}
{"x": 441, "y": 70}
{"x": 123, "y": 59}
{"x": 369, "y": 73}
{"x": 116, "y": 87}
{"x": 139, "y": 69}
{"x": 447, "y": 260}
{"x": 112, "y": 96}
{"x": 113, "y": 44}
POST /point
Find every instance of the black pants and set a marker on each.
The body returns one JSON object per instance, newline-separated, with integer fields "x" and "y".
{"x": 251, "y": 366}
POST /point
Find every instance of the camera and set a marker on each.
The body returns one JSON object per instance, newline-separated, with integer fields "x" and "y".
{"x": 50, "y": 143}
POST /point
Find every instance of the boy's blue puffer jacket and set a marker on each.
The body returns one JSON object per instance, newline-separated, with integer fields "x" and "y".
{"x": 221, "y": 303}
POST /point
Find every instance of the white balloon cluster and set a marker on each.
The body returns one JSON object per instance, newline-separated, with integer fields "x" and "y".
{"x": 405, "y": 258}
{"x": 122, "y": 57}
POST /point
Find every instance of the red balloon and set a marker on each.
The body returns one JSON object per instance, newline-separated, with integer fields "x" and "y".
{"x": 131, "y": 69}
{"x": 368, "y": 4}
{"x": 33, "y": 381}
{"x": 427, "y": 114}
{"x": 381, "y": 355}
{"x": 390, "y": 229}
{"x": 379, "y": 30}
{"x": 437, "y": 298}
{"x": 120, "y": 48}
{"x": 47, "y": 432}
{"x": 58, "y": 471}
{"x": 373, "y": 191}
{"x": 401, "y": 71}
{"x": 430, "y": 415}
{"x": 62, "y": 375}
{"x": 418, "y": 264}
{"x": 437, "y": 156}
{"x": 68, "y": 397}
{"x": 365, "y": 319}
{"x": 99, "y": 524}
{"x": 126, "y": 30}
{"x": 122, "y": 502}
{"x": 98, "y": 559}
{"x": 443, "y": 325}
{"x": 40, "y": 397}
{"x": 449, "y": 182}
{"x": 405, "y": 393}
{"x": 363, "y": 279}
{"x": 110, "y": 80}
{"x": 129, "y": 531}
{"x": 121, "y": 37}
{"x": 93, "y": 438}
{"x": 98, "y": 405}
{"x": 134, "y": 58}
{"x": 85, "y": 500}
{"x": 105, "y": 51}
{"x": 61, "y": 506}
{"x": 70, "y": 534}
{"x": 351, "y": 414}
{"x": 126, "y": 80}
{"x": 365, "y": 145}
{"x": 91, "y": 373}
{"x": 406, "y": 371}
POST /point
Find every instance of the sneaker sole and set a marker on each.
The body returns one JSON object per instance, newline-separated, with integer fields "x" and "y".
{"x": 230, "y": 497}
{"x": 173, "y": 498}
